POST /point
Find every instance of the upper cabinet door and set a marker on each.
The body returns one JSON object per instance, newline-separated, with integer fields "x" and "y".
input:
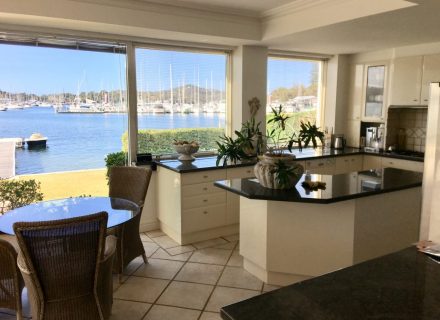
{"x": 356, "y": 83}
{"x": 431, "y": 73}
{"x": 406, "y": 81}
{"x": 374, "y": 92}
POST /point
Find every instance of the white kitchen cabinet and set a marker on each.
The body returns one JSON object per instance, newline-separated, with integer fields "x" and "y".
{"x": 402, "y": 164}
{"x": 355, "y": 92}
{"x": 373, "y": 106}
{"x": 431, "y": 73}
{"x": 371, "y": 162}
{"x": 321, "y": 166}
{"x": 406, "y": 80}
{"x": 190, "y": 208}
{"x": 348, "y": 164}
{"x": 233, "y": 200}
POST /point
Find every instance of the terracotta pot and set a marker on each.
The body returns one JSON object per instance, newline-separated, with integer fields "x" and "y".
{"x": 268, "y": 179}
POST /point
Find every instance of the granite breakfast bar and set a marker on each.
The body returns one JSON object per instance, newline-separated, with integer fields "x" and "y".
{"x": 288, "y": 236}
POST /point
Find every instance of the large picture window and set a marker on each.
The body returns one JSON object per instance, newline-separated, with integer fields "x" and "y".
{"x": 296, "y": 85}
{"x": 66, "y": 102}
{"x": 181, "y": 95}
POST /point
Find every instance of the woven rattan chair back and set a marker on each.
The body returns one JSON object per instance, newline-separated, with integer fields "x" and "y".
{"x": 11, "y": 282}
{"x": 129, "y": 183}
{"x": 62, "y": 258}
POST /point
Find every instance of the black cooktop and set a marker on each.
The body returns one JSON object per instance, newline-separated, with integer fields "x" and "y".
{"x": 408, "y": 153}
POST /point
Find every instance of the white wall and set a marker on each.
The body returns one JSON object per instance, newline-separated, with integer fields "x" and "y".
{"x": 336, "y": 86}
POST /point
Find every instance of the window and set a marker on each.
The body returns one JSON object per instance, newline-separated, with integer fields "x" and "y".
{"x": 181, "y": 95}
{"x": 296, "y": 85}
{"x": 72, "y": 93}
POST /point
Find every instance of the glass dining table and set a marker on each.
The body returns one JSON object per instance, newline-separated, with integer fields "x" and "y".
{"x": 119, "y": 211}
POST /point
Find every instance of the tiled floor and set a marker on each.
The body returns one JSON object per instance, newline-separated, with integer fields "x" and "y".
{"x": 189, "y": 282}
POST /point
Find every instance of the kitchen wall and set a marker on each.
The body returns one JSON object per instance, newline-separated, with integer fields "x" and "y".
{"x": 412, "y": 122}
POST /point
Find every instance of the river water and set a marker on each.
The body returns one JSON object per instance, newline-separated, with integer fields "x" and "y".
{"x": 82, "y": 141}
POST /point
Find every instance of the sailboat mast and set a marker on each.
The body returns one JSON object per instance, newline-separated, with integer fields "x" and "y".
{"x": 171, "y": 87}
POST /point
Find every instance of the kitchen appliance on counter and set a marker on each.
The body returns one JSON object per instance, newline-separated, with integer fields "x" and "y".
{"x": 375, "y": 138}
{"x": 338, "y": 141}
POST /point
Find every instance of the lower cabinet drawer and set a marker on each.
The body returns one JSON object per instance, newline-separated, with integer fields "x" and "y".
{"x": 203, "y": 218}
{"x": 199, "y": 189}
{"x": 243, "y": 172}
{"x": 204, "y": 200}
{"x": 203, "y": 176}
{"x": 402, "y": 164}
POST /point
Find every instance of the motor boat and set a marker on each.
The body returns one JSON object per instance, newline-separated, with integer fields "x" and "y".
{"x": 36, "y": 141}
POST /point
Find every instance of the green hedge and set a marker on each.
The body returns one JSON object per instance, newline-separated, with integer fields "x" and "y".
{"x": 161, "y": 141}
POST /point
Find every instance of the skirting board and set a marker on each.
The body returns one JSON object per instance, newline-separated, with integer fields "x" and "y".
{"x": 270, "y": 277}
{"x": 149, "y": 226}
{"x": 184, "y": 239}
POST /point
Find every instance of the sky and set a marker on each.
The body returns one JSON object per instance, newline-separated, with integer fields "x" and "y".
{"x": 48, "y": 70}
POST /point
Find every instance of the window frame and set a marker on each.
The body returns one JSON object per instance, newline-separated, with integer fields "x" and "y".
{"x": 227, "y": 52}
{"x": 310, "y": 57}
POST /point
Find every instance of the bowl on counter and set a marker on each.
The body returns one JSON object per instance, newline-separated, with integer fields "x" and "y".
{"x": 186, "y": 150}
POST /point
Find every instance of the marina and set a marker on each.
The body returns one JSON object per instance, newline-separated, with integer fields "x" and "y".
{"x": 82, "y": 141}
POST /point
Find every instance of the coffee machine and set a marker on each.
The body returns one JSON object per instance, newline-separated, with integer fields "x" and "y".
{"x": 375, "y": 138}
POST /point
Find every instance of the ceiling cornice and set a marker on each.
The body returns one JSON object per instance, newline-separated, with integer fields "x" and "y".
{"x": 220, "y": 14}
{"x": 295, "y": 7}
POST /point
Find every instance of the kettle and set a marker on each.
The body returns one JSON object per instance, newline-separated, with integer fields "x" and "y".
{"x": 339, "y": 143}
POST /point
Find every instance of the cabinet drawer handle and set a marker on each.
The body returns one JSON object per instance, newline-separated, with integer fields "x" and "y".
{"x": 248, "y": 171}
{"x": 426, "y": 100}
{"x": 205, "y": 177}
{"x": 205, "y": 212}
{"x": 346, "y": 160}
{"x": 320, "y": 164}
{"x": 205, "y": 189}
{"x": 205, "y": 200}
{"x": 415, "y": 100}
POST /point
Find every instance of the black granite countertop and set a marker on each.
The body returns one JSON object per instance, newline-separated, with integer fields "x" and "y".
{"x": 208, "y": 163}
{"x": 402, "y": 285}
{"x": 338, "y": 187}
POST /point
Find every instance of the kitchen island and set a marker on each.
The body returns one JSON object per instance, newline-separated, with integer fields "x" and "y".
{"x": 402, "y": 285}
{"x": 288, "y": 236}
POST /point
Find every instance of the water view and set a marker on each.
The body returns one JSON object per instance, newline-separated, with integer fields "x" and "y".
{"x": 82, "y": 141}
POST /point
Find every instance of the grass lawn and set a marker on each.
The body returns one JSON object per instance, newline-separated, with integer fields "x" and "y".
{"x": 59, "y": 185}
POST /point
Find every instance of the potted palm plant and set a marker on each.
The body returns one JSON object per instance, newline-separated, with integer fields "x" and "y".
{"x": 277, "y": 169}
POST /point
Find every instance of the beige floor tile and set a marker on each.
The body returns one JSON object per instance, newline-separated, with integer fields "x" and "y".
{"x": 145, "y": 238}
{"x": 166, "y": 242}
{"x": 133, "y": 265}
{"x": 141, "y": 289}
{"x": 161, "y": 269}
{"x": 150, "y": 248}
{"x": 162, "y": 254}
{"x": 200, "y": 273}
{"x": 229, "y": 245}
{"x": 186, "y": 295}
{"x": 155, "y": 233}
{"x": 211, "y": 255}
{"x": 225, "y": 296}
{"x": 210, "y": 316}
{"x": 232, "y": 238}
{"x": 270, "y": 287}
{"x": 209, "y": 243}
{"x": 239, "y": 278}
{"x": 235, "y": 260}
{"x": 171, "y": 313}
{"x": 123, "y": 310}
{"x": 180, "y": 249}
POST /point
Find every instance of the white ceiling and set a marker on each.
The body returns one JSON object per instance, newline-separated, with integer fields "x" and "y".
{"x": 246, "y": 7}
{"x": 408, "y": 26}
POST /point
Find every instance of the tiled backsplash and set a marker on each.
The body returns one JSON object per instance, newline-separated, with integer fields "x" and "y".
{"x": 413, "y": 125}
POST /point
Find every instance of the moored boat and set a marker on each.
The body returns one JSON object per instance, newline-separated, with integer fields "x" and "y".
{"x": 36, "y": 140}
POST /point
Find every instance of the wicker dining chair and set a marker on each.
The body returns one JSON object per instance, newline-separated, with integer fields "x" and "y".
{"x": 11, "y": 281}
{"x": 130, "y": 183}
{"x": 67, "y": 267}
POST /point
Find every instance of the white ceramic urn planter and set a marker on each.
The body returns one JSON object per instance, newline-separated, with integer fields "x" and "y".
{"x": 264, "y": 171}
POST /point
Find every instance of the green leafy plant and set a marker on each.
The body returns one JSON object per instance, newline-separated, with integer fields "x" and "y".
{"x": 310, "y": 133}
{"x": 115, "y": 159}
{"x": 279, "y": 118}
{"x": 283, "y": 174}
{"x": 18, "y": 193}
{"x": 229, "y": 149}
